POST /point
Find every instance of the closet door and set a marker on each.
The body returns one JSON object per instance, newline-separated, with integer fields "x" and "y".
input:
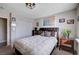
{"x": 3, "y": 31}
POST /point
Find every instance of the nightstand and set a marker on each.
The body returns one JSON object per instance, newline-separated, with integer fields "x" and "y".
{"x": 66, "y": 44}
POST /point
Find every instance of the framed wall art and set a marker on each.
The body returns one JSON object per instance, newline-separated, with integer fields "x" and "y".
{"x": 62, "y": 20}
{"x": 37, "y": 24}
{"x": 70, "y": 21}
{"x": 77, "y": 18}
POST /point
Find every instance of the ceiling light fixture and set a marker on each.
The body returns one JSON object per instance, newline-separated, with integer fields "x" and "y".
{"x": 30, "y": 5}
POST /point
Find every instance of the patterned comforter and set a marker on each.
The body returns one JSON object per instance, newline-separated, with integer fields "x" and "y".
{"x": 35, "y": 45}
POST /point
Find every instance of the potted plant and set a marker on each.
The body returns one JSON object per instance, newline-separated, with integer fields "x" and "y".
{"x": 66, "y": 33}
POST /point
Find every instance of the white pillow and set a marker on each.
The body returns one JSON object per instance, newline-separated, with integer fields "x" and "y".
{"x": 55, "y": 34}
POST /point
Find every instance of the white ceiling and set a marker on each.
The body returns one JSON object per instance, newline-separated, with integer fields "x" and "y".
{"x": 41, "y": 9}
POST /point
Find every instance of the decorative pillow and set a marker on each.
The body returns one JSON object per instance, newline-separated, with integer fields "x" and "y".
{"x": 47, "y": 33}
{"x": 53, "y": 33}
{"x": 42, "y": 34}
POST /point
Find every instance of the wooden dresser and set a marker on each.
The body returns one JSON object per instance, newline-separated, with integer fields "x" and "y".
{"x": 66, "y": 44}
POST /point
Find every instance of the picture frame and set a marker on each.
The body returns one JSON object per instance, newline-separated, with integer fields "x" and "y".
{"x": 37, "y": 23}
{"x": 71, "y": 21}
{"x": 62, "y": 20}
{"x": 77, "y": 18}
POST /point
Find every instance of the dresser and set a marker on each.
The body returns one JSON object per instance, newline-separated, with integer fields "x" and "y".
{"x": 67, "y": 44}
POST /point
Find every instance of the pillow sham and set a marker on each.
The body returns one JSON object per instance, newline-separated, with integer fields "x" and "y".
{"x": 47, "y": 33}
{"x": 42, "y": 34}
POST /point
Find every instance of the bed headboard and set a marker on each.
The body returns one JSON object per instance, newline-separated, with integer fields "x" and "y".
{"x": 54, "y": 29}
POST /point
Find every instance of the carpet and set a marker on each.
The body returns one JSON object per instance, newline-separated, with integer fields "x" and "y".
{"x": 6, "y": 50}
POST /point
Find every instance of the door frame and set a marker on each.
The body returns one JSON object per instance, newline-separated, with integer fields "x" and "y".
{"x": 8, "y": 30}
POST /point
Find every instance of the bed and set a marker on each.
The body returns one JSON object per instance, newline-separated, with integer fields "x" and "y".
{"x": 38, "y": 44}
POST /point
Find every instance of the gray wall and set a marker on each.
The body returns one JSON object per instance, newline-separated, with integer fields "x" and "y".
{"x": 78, "y": 23}
{"x": 24, "y": 27}
{"x": 67, "y": 15}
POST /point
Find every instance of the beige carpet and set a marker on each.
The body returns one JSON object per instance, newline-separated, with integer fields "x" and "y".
{"x": 8, "y": 51}
{"x": 61, "y": 52}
